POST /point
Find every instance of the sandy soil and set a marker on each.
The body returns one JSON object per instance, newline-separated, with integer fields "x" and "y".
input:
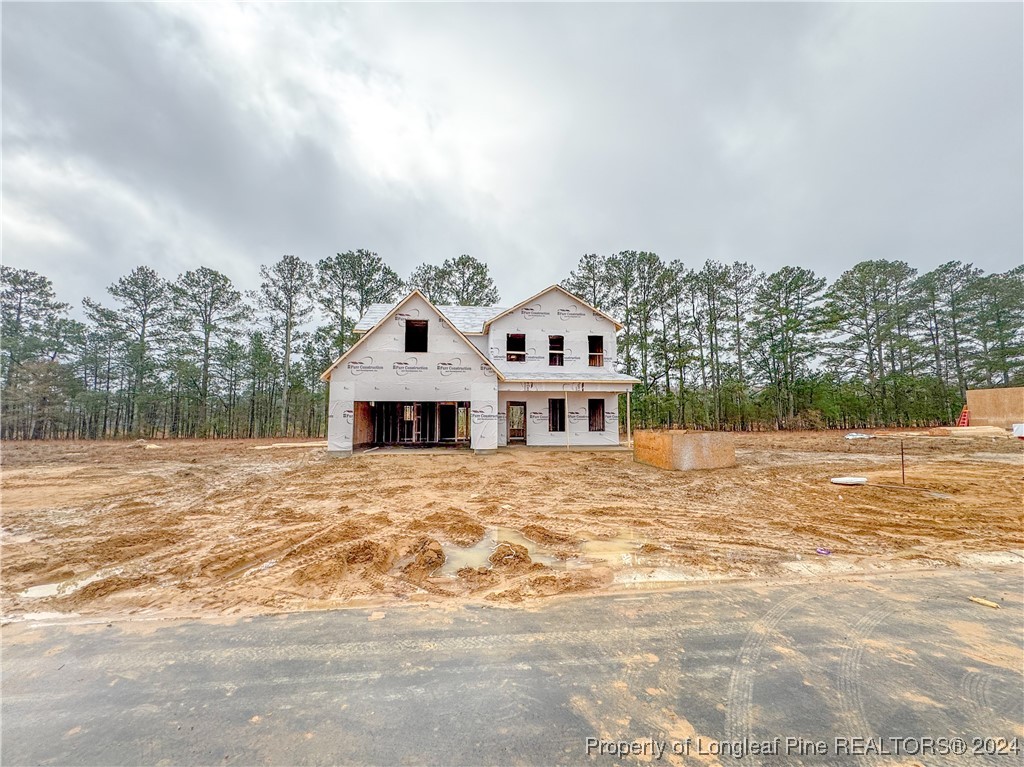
{"x": 221, "y": 528}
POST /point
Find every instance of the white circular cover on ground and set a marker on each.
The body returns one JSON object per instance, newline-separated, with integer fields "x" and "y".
{"x": 849, "y": 480}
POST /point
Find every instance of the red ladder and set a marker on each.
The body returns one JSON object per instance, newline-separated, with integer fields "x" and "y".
{"x": 965, "y": 417}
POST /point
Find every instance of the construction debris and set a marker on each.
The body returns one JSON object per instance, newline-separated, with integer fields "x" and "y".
{"x": 984, "y": 602}
{"x": 144, "y": 445}
{"x": 278, "y": 445}
{"x": 968, "y": 431}
{"x": 849, "y": 480}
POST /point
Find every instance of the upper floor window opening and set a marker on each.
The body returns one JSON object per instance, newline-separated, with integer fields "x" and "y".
{"x": 515, "y": 347}
{"x": 416, "y": 335}
{"x": 556, "y": 351}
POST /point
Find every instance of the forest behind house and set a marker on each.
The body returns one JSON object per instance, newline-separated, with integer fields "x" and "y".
{"x": 725, "y": 346}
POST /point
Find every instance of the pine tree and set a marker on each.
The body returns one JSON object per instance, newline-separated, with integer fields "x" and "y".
{"x": 285, "y": 295}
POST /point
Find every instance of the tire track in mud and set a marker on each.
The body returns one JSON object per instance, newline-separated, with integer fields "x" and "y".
{"x": 851, "y": 705}
{"x": 637, "y": 697}
{"x": 203, "y": 493}
{"x": 574, "y": 648}
{"x": 988, "y": 693}
{"x": 225, "y": 560}
{"x": 974, "y": 686}
{"x": 297, "y": 563}
{"x": 224, "y": 488}
{"x": 739, "y": 701}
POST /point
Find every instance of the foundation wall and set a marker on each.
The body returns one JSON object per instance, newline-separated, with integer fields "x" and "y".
{"x": 684, "y": 450}
{"x": 996, "y": 407}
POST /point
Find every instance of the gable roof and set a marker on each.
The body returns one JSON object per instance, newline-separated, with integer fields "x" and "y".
{"x": 531, "y": 299}
{"x": 326, "y": 375}
{"x": 469, "y": 319}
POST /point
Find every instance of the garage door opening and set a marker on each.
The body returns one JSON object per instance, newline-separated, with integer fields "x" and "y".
{"x": 415, "y": 424}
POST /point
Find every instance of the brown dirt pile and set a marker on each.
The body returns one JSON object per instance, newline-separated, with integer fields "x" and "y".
{"x": 548, "y": 537}
{"x": 454, "y": 525}
{"x": 510, "y": 557}
{"x": 551, "y": 584}
{"x": 427, "y": 557}
{"x": 651, "y": 548}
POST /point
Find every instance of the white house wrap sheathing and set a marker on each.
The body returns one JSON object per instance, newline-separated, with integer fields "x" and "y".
{"x": 475, "y": 369}
{"x": 451, "y": 371}
{"x": 577, "y": 421}
{"x": 553, "y": 313}
{"x": 535, "y": 382}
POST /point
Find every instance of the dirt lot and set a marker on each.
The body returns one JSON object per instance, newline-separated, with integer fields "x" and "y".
{"x": 202, "y": 528}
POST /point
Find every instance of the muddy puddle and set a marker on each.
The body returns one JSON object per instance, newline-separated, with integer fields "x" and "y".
{"x": 621, "y": 550}
{"x": 457, "y": 557}
{"x": 66, "y": 587}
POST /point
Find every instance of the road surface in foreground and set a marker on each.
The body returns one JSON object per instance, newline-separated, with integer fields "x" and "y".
{"x": 818, "y": 672}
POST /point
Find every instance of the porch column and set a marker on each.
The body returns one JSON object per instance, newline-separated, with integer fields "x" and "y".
{"x": 565, "y": 406}
{"x": 629, "y": 417}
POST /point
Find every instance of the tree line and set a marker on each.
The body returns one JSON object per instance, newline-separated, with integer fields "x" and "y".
{"x": 728, "y": 346}
{"x": 723, "y": 346}
{"x": 195, "y": 356}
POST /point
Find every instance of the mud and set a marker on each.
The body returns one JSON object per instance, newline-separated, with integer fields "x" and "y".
{"x": 223, "y": 528}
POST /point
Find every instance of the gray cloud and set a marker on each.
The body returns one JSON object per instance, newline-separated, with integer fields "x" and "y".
{"x": 815, "y": 135}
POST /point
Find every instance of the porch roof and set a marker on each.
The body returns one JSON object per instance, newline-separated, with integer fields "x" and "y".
{"x": 595, "y": 375}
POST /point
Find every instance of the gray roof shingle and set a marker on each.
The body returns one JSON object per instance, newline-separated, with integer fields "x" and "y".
{"x": 514, "y": 373}
{"x": 468, "y": 319}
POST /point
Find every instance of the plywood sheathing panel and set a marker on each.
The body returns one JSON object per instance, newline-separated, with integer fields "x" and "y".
{"x": 996, "y": 407}
{"x": 362, "y": 428}
{"x": 684, "y": 450}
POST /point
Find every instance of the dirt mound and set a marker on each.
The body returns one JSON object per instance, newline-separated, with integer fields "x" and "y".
{"x": 547, "y": 537}
{"x": 652, "y": 548}
{"x": 100, "y": 588}
{"x": 550, "y": 584}
{"x": 510, "y": 557}
{"x": 426, "y": 558}
{"x": 456, "y": 526}
{"x": 322, "y": 575}
{"x": 343, "y": 532}
{"x": 371, "y": 555}
{"x": 477, "y": 578}
{"x": 361, "y": 559}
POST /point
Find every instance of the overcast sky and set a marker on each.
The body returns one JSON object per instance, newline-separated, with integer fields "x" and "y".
{"x": 816, "y": 135}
